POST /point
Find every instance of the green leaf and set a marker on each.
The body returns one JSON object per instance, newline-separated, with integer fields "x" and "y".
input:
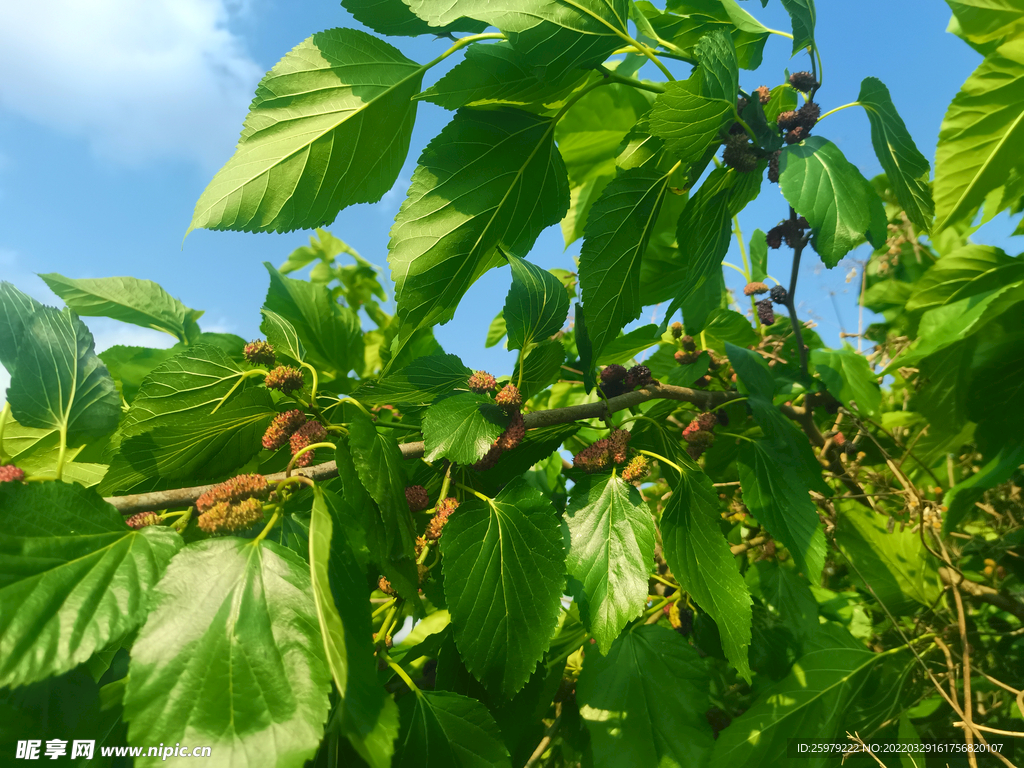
{"x": 330, "y": 334}
{"x": 849, "y": 378}
{"x": 905, "y": 167}
{"x": 625, "y": 347}
{"x": 611, "y": 553}
{"x": 557, "y": 36}
{"x": 617, "y": 234}
{"x": 129, "y": 366}
{"x": 496, "y": 331}
{"x": 896, "y": 565}
{"x": 510, "y": 549}
{"x": 725, "y": 326}
{"x": 782, "y": 98}
{"x": 960, "y": 499}
{"x": 58, "y": 382}
{"x": 542, "y": 366}
{"x": 378, "y": 746}
{"x": 988, "y": 21}
{"x": 536, "y": 306}
{"x": 378, "y": 461}
{"x": 246, "y": 674}
{"x": 329, "y": 126}
{"x": 787, "y": 594}
{"x": 980, "y": 136}
{"x": 419, "y": 383}
{"x": 282, "y": 335}
{"x": 644, "y": 702}
{"x": 687, "y": 121}
{"x": 803, "y": 16}
{"x": 702, "y": 563}
{"x": 462, "y": 428}
{"x": 394, "y": 17}
{"x": 690, "y": 20}
{"x": 446, "y": 730}
{"x": 16, "y": 309}
{"x": 128, "y": 299}
{"x": 813, "y": 698}
{"x": 489, "y": 179}
{"x": 963, "y": 272}
{"x": 717, "y": 56}
{"x": 839, "y": 203}
{"x": 499, "y": 76}
{"x": 73, "y": 577}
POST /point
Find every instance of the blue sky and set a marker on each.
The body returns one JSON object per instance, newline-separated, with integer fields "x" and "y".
{"x": 115, "y": 114}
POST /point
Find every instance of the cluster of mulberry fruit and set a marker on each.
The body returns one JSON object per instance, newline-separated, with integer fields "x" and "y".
{"x": 233, "y": 505}
{"x": 616, "y": 380}
{"x": 11, "y": 474}
{"x": 482, "y": 382}
{"x": 417, "y": 499}
{"x": 309, "y": 433}
{"x": 511, "y": 401}
{"x": 284, "y": 378}
{"x": 143, "y": 520}
{"x": 788, "y": 231}
{"x": 437, "y": 522}
{"x": 797, "y": 124}
{"x": 281, "y": 428}
{"x": 698, "y": 434}
{"x": 260, "y": 353}
{"x": 605, "y": 453}
{"x": 740, "y": 153}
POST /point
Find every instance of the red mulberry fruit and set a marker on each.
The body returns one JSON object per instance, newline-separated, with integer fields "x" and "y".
{"x": 773, "y": 167}
{"x": 809, "y": 114}
{"x": 234, "y": 490}
{"x": 513, "y": 434}
{"x": 788, "y": 120}
{"x": 284, "y": 378}
{"x": 618, "y": 444}
{"x": 752, "y": 289}
{"x": 282, "y": 428}
{"x": 259, "y": 353}
{"x": 637, "y": 469}
{"x": 796, "y": 135}
{"x": 765, "y": 312}
{"x": 778, "y": 294}
{"x": 143, "y": 520}
{"x": 309, "y": 433}
{"x": 594, "y": 458}
{"x": 11, "y": 474}
{"x": 482, "y": 382}
{"x": 509, "y": 398}
{"x": 803, "y": 81}
{"x": 417, "y": 499}
{"x": 764, "y": 95}
{"x": 225, "y": 518}
{"x": 613, "y": 373}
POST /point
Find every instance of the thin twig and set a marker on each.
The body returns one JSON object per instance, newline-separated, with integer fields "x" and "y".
{"x": 544, "y": 742}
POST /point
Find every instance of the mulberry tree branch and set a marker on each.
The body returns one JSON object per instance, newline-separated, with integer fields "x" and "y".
{"x": 791, "y": 293}
{"x": 181, "y": 497}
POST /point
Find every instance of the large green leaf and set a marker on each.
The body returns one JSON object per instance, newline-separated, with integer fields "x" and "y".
{"x": 981, "y": 135}
{"x": 73, "y": 577}
{"x": 536, "y": 306}
{"x": 129, "y": 366}
{"x": 330, "y": 334}
{"x": 965, "y": 271}
{"x": 378, "y": 746}
{"x": 461, "y": 428}
{"x": 788, "y": 595}
{"x": 446, "y": 730}
{"x": 702, "y": 563}
{"x": 498, "y": 75}
{"x": 803, "y": 15}
{"x": 58, "y": 382}
{"x": 128, "y": 299}
{"x": 281, "y": 335}
{"x": 905, "y": 167}
{"x": 960, "y": 499}
{"x": 644, "y": 702}
{"x": 839, "y": 203}
{"x": 611, "y": 552}
{"x": 617, "y": 233}
{"x": 245, "y": 674}
{"x": 489, "y": 179}
{"x": 510, "y": 549}
{"x": 16, "y": 309}
{"x": 988, "y": 21}
{"x": 394, "y": 17}
{"x": 419, "y": 383}
{"x": 688, "y": 121}
{"x": 329, "y": 127}
{"x": 812, "y": 699}
{"x": 848, "y": 377}
{"x": 556, "y": 35}
{"x": 689, "y": 20}
{"x": 717, "y": 56}
{"x": 895, "y": 565}
{"x": 542, "y": 366}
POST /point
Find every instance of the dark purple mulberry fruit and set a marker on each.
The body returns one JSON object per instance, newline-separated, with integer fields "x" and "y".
{"x": 796, "y": 135}
{"x": 417, "y": 499}
{"x": 803, "y": 81}
{"x": 739, "y": 154}
{"x": 613, "y": 373}
{"x": 612, "y": 389}
{"x": 765, "y": 312}
{"x": 752, "y": 289}
{"x": 143, "y": 520}
{"x": 778, "y": 294}
{"x": 809, "y": 114}
{"x": 775, "y": 235}
{"x": 259, "y": 353}
{"x": 284, "y": 378}
{"x": 688, "y": 343}
{"x": 482, "y": 382}
{"x": 773, "y": 167}
{"x": 638, "y": 376}
{"x": 788, "y": 120}
{"x": 723, "y": 418}
{"x": 282, "y": 428}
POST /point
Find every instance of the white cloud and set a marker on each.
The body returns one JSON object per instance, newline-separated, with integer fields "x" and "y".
{"x": 137, "y": 80}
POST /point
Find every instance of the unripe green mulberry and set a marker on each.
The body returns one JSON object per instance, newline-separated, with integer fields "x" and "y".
{"x": 803, "y": 81}
{"x": 637, "y": 469}
{"x": 282, "y": 428}
{"x": 284, "y": 378}
{"x": 417, "y": 499}
{"x": 309, "y": 433}
{"x": 143, "y": 520}
{"x": 259, "y": 353}
{"x": 755, "y": 288}
{"x": 224, "y": 518}
{"x": 509, "y": 398}
{"x": 482, "y": 382}
{"x": 11, "y": 474}
{"x": 234, "y": 490}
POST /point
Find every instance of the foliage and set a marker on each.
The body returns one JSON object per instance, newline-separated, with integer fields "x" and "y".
{"x": 757, "y": 538}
